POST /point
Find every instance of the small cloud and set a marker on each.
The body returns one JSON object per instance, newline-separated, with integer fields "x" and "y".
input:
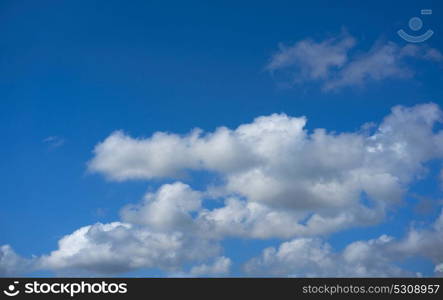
{"x": 439, "y": 270}
{"x": 54, "y": 141}
{"x": 433, "y": 54}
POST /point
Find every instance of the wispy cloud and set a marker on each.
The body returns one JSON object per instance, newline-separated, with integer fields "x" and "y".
{"x": 330, "y": 62}
{"x": 54, "y": 141}
{"x": 220, "y": 266}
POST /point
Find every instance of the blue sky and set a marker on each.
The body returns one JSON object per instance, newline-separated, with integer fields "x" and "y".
{"x": 74, "y": 72}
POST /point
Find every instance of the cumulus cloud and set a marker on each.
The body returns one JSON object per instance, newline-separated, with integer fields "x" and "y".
{"x": 220, "y": 266}
{"x": 119, "y": 247}
{"x": 167, "y": 209}
{"x": 381, "y": 62}
{"x": 372, "y": 258}
{"x": 240, "y": 218}
{"x": 279, "y": 180}
{"x": 12, "y": 264}
{"x": 331, "y": 62}
{"x": 275, "y": 179}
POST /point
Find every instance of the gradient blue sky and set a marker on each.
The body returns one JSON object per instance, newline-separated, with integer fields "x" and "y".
{"x": 75, "y": 71}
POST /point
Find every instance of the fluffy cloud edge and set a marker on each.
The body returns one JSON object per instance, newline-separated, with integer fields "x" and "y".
{"x": 331, "y": 62}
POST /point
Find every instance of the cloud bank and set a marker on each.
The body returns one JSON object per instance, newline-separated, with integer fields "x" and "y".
{"x": 373, "y": 258}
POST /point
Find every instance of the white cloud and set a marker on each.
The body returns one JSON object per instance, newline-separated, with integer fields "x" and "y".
{"x": 241, "y": 218}
{"x": 220, "y": 266}
{"x": 313, "y": 60}
{"x": 275, "y": 180}
{"x": 331, "y": 62}
{"x": 425, "y": 242}
{"x": 384, "y": 60}
{"x": 372, "y": 258}
{"x": 433, "y": 54}
{"x": 54, "y": 141}
{"x": 381, "y": 62}
{"x": 121, "y": 157}
{"x": 279, "y": 180}
{"x": 12, "y": 264}
{"x": 312, "y": 257}
{"x": 119, "y": 247}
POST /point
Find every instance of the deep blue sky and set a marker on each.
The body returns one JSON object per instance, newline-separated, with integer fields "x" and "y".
{"x": 81, "y": 69}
